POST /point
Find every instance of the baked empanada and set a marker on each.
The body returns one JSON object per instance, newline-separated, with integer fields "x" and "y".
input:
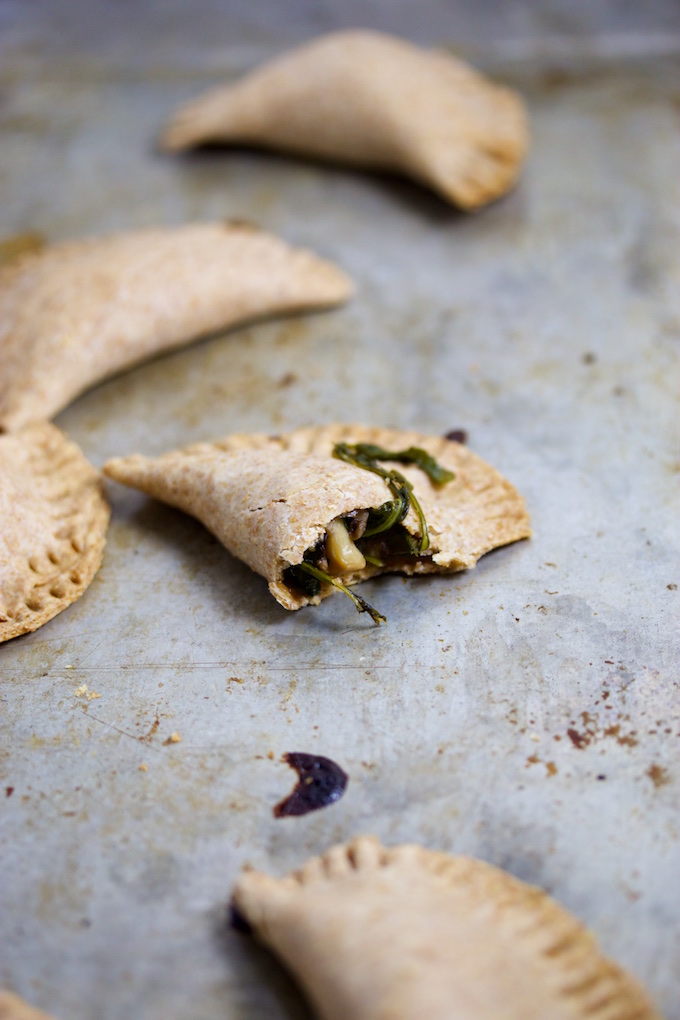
{"x": 14, "y": 1008}
{"x": 370, "y": 100}
{"x": 408, "y": 933}
{"x": 323, "y": 508}
{"x": 74, "y": 313}
{"x": 53, "y": 521}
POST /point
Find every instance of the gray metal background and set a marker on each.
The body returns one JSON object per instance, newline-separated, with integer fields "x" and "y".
{"x": 546, "y": 325}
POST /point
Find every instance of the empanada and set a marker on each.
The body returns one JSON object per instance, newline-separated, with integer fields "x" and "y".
{"x": 370, "y": 100}
{"x": 53, "y": 521}
{"x": 409, "y": 934}
{"x": 310, "y": 521}
{"x": 77, "y": 312}
{"x": 14, "y": 1008}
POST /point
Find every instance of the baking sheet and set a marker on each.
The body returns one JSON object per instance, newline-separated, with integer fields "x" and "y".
{"x": 524, "y": 712}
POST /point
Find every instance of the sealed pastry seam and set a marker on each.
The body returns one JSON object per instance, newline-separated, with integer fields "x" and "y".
{"x": 406, "y": 933}
{"x": 368, "y": 99}
{"x": 74, "y": 313}
{"x": 54, "y": 521}
{"x": 286, "y": 504}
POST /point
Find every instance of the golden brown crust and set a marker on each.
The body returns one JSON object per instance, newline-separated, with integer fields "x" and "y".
{"x": 18, "y": 246}
{"x": 369, "y": 99}
{"x": 268, "y": 499}
{"x": 14, "y": 1008}
{"x": 406, "y": 932}
{"x": 77, "y": 312}
{"x": 54, "y": 520}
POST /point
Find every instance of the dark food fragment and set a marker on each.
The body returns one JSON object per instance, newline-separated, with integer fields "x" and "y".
{"x": 237, "y": 921}
{"x": 457, "y": 436}
{"x": 320, "y": 782}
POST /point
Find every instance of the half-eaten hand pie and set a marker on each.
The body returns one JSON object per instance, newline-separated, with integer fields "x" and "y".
{"x": 409, "y": 934}
{"x": 53, "y": 518}
{"x": 370, "y": 100}
{"x": 323, "y": 508}
{"x": 73, "y": 313}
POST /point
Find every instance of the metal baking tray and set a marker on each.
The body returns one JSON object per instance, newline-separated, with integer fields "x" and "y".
{"x": 524, "y": 712}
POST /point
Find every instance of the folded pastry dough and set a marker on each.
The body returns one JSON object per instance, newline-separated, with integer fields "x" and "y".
{"x": 277, "y": 502}
{"x": 371, "y": 100}
{"x": 53, "y": 521}
{"x": 14, "y": 1008}
{"x": 408, "y": 933}
{"x": 74, "y": 313}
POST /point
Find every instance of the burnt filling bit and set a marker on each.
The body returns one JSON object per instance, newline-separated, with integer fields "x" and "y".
{"x": 457, "y": 436}
{"x": 320, "y": 782}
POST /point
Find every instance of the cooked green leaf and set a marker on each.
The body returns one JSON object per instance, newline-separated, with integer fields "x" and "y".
{"x": 369, "y": 452}
{"x": 363, "y": 455}
{"x": 386, "y": 516}
{"x": 296, "y": 577}
{"x": 362, "y": 605}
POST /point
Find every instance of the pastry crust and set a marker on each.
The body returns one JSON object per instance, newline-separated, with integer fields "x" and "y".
{"x": 270, "y": 498}
{"x": 54, "y": 519}
{"x": 14, "y": 1008}
{"x": 371, "y": 100}
{"x": 406, "y": 933}
{"x": 75, "y": 313}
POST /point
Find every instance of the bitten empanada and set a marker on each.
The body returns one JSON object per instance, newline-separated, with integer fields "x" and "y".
{"x": 74, "y": 313}
{"x": 308, "y": 511}
{"x": 409, "y": 933}
{"x": 53, "y": 521}
{"x": 370, "y": 100}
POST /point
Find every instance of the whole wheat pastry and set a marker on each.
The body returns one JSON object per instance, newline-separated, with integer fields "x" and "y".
{"x": 370, "y": 100}
{"x": 53, "y": 521}
{"x": 320, "y": 509}
{"x": 407, "y": 933}
{"x": 14, "y": 1008}
{"x": 73, "y": 313}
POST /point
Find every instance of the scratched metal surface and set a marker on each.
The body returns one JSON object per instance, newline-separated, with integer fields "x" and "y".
{"x": 525, "y": 712}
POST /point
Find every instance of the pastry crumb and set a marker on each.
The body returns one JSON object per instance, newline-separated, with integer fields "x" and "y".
{"x": 80, "y": 692}
{"x": 91, "y": 695}
{"x": 174, "y": 738}
{"x": 143, "y": 767}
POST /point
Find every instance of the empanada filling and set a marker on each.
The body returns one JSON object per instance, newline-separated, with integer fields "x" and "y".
{"x": 373, "y": 536}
